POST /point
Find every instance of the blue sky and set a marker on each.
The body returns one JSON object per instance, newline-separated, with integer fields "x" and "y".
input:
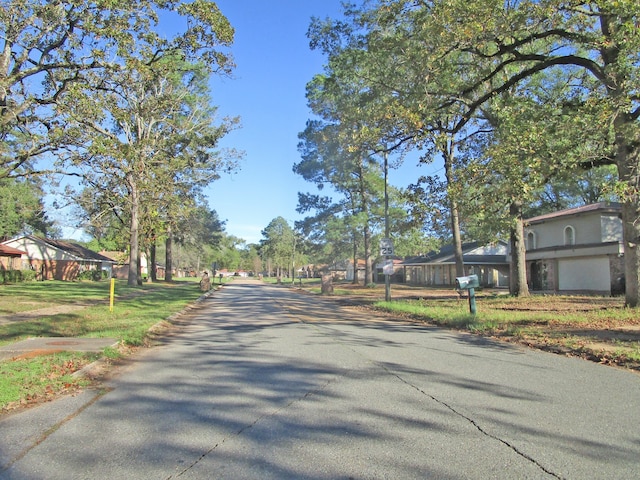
{"x": 274, "y": 63}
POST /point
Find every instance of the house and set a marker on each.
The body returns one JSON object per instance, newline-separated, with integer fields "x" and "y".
{"x": 344, "y": 270}
{"x": 576, "y": 250}
{"x": 10, "y": 258}
{"x": 438, "y": 268}
{"x": 55, "y": 259}
{"x": 395, "y": 272}
{"x": 358, "y": 272}
{"x": 120, "y": 267}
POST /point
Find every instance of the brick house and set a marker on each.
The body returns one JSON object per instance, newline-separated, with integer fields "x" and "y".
{"x": 10, "y": 258}
{"x": 56, "y": 259}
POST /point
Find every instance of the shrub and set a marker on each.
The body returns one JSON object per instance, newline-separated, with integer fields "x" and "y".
{"x": 17, "y": 276}
{"x": 28, "y": 275}
{"x": 95, "y": 275}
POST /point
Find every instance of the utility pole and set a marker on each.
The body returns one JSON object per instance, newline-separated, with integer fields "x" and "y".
{"x": 387, "y": 278}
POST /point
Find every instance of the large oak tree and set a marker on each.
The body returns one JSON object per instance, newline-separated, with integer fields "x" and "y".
{"x": 147, "y": 144}
{"x": 467, "y": 54}
{"x": 47, "y": 46}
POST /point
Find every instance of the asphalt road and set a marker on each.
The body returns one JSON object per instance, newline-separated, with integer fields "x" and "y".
{"x": 267, "y": 383}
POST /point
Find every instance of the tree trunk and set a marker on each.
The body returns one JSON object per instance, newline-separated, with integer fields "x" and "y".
{"x": 355, "y": 280}
{"x": 628, "y": 162}
{"x": 366, "y": 232}
{"x": 134, "y": 246}
{"x": 447, "y": 152}
{"x": 139, "y": 271}
{"x": 457, "y": 238}
{"x": 168, "y": 275}
{"x": 153, "y": 277}
{"x": 326, "y": 288}
{"x": 518, "y": 268}
{"x": 368, "y": 268}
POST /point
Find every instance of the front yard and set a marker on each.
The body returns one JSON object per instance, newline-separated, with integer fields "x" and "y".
{"x": 30, "y": 379}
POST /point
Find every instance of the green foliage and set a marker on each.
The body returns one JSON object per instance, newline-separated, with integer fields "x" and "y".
{"x": 37, "y": 43}
{"x": 21, "y": 208}
{"x": 152, "y": 164}
{"x": 547, "y": 87}
{"x": 415, "y": 242}
{"x": 345, "y": 226}
{"x": 278, "y": 246}
{"x": 92, "y": 275}
{"x": 125, "y": 106}
{"x": 17, "y": 276}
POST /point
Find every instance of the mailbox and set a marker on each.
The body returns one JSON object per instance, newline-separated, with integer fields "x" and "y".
{"x": 466, "y": 283}
{"x": 469, "y": 283}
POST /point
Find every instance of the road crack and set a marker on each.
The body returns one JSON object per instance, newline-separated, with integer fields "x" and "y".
{"x": 452, "y": 409}
{"x": 259, "y": 419}
{"x": 472, "y": 422}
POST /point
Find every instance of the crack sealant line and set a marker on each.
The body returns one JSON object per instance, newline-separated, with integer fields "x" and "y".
{"x": 472, "y": 422}
{"x": 440, "y": 402}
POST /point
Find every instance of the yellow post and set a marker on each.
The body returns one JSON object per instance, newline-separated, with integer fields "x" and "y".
{"x": 113, "y": 289}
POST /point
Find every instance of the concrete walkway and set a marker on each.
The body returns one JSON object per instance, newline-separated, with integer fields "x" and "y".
{"x": 46, "y": 345}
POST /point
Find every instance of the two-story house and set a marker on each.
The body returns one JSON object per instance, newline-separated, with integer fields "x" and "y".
{"x": 576, "y": 250}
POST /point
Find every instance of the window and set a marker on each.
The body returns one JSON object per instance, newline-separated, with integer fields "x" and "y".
{"x": 569, "y": 235}
{"x": 531, "y": 241}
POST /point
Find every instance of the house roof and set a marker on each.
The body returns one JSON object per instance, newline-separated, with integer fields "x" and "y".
{"x": 7, "y": 251}
{"x": 604, "y": 207}
{"x": 447, "y": 255}
{"x": 116, "y": 256}
{"x": 78, "y": 251}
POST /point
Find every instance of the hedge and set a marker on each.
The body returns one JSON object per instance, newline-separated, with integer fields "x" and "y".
{"x": 17, "y": 276}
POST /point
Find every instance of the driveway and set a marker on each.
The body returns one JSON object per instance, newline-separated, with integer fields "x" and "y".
{"x": 267, "y": 383}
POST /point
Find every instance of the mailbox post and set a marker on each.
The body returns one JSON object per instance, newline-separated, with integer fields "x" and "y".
{"x": 469, "y": 283}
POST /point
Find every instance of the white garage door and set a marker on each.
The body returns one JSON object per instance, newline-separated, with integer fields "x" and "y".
{"x": 584, "y": 274}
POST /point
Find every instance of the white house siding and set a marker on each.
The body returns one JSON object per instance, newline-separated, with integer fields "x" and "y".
{"x": 587, "y": 230}
{"x": 39, "y": 250}
{"x": 584, "y": 274}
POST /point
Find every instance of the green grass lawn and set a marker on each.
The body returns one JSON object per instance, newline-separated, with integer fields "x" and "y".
{"x": 136, "y": 310}
{"x": 20, "y": 297}
{"x": 598, "y": 328}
